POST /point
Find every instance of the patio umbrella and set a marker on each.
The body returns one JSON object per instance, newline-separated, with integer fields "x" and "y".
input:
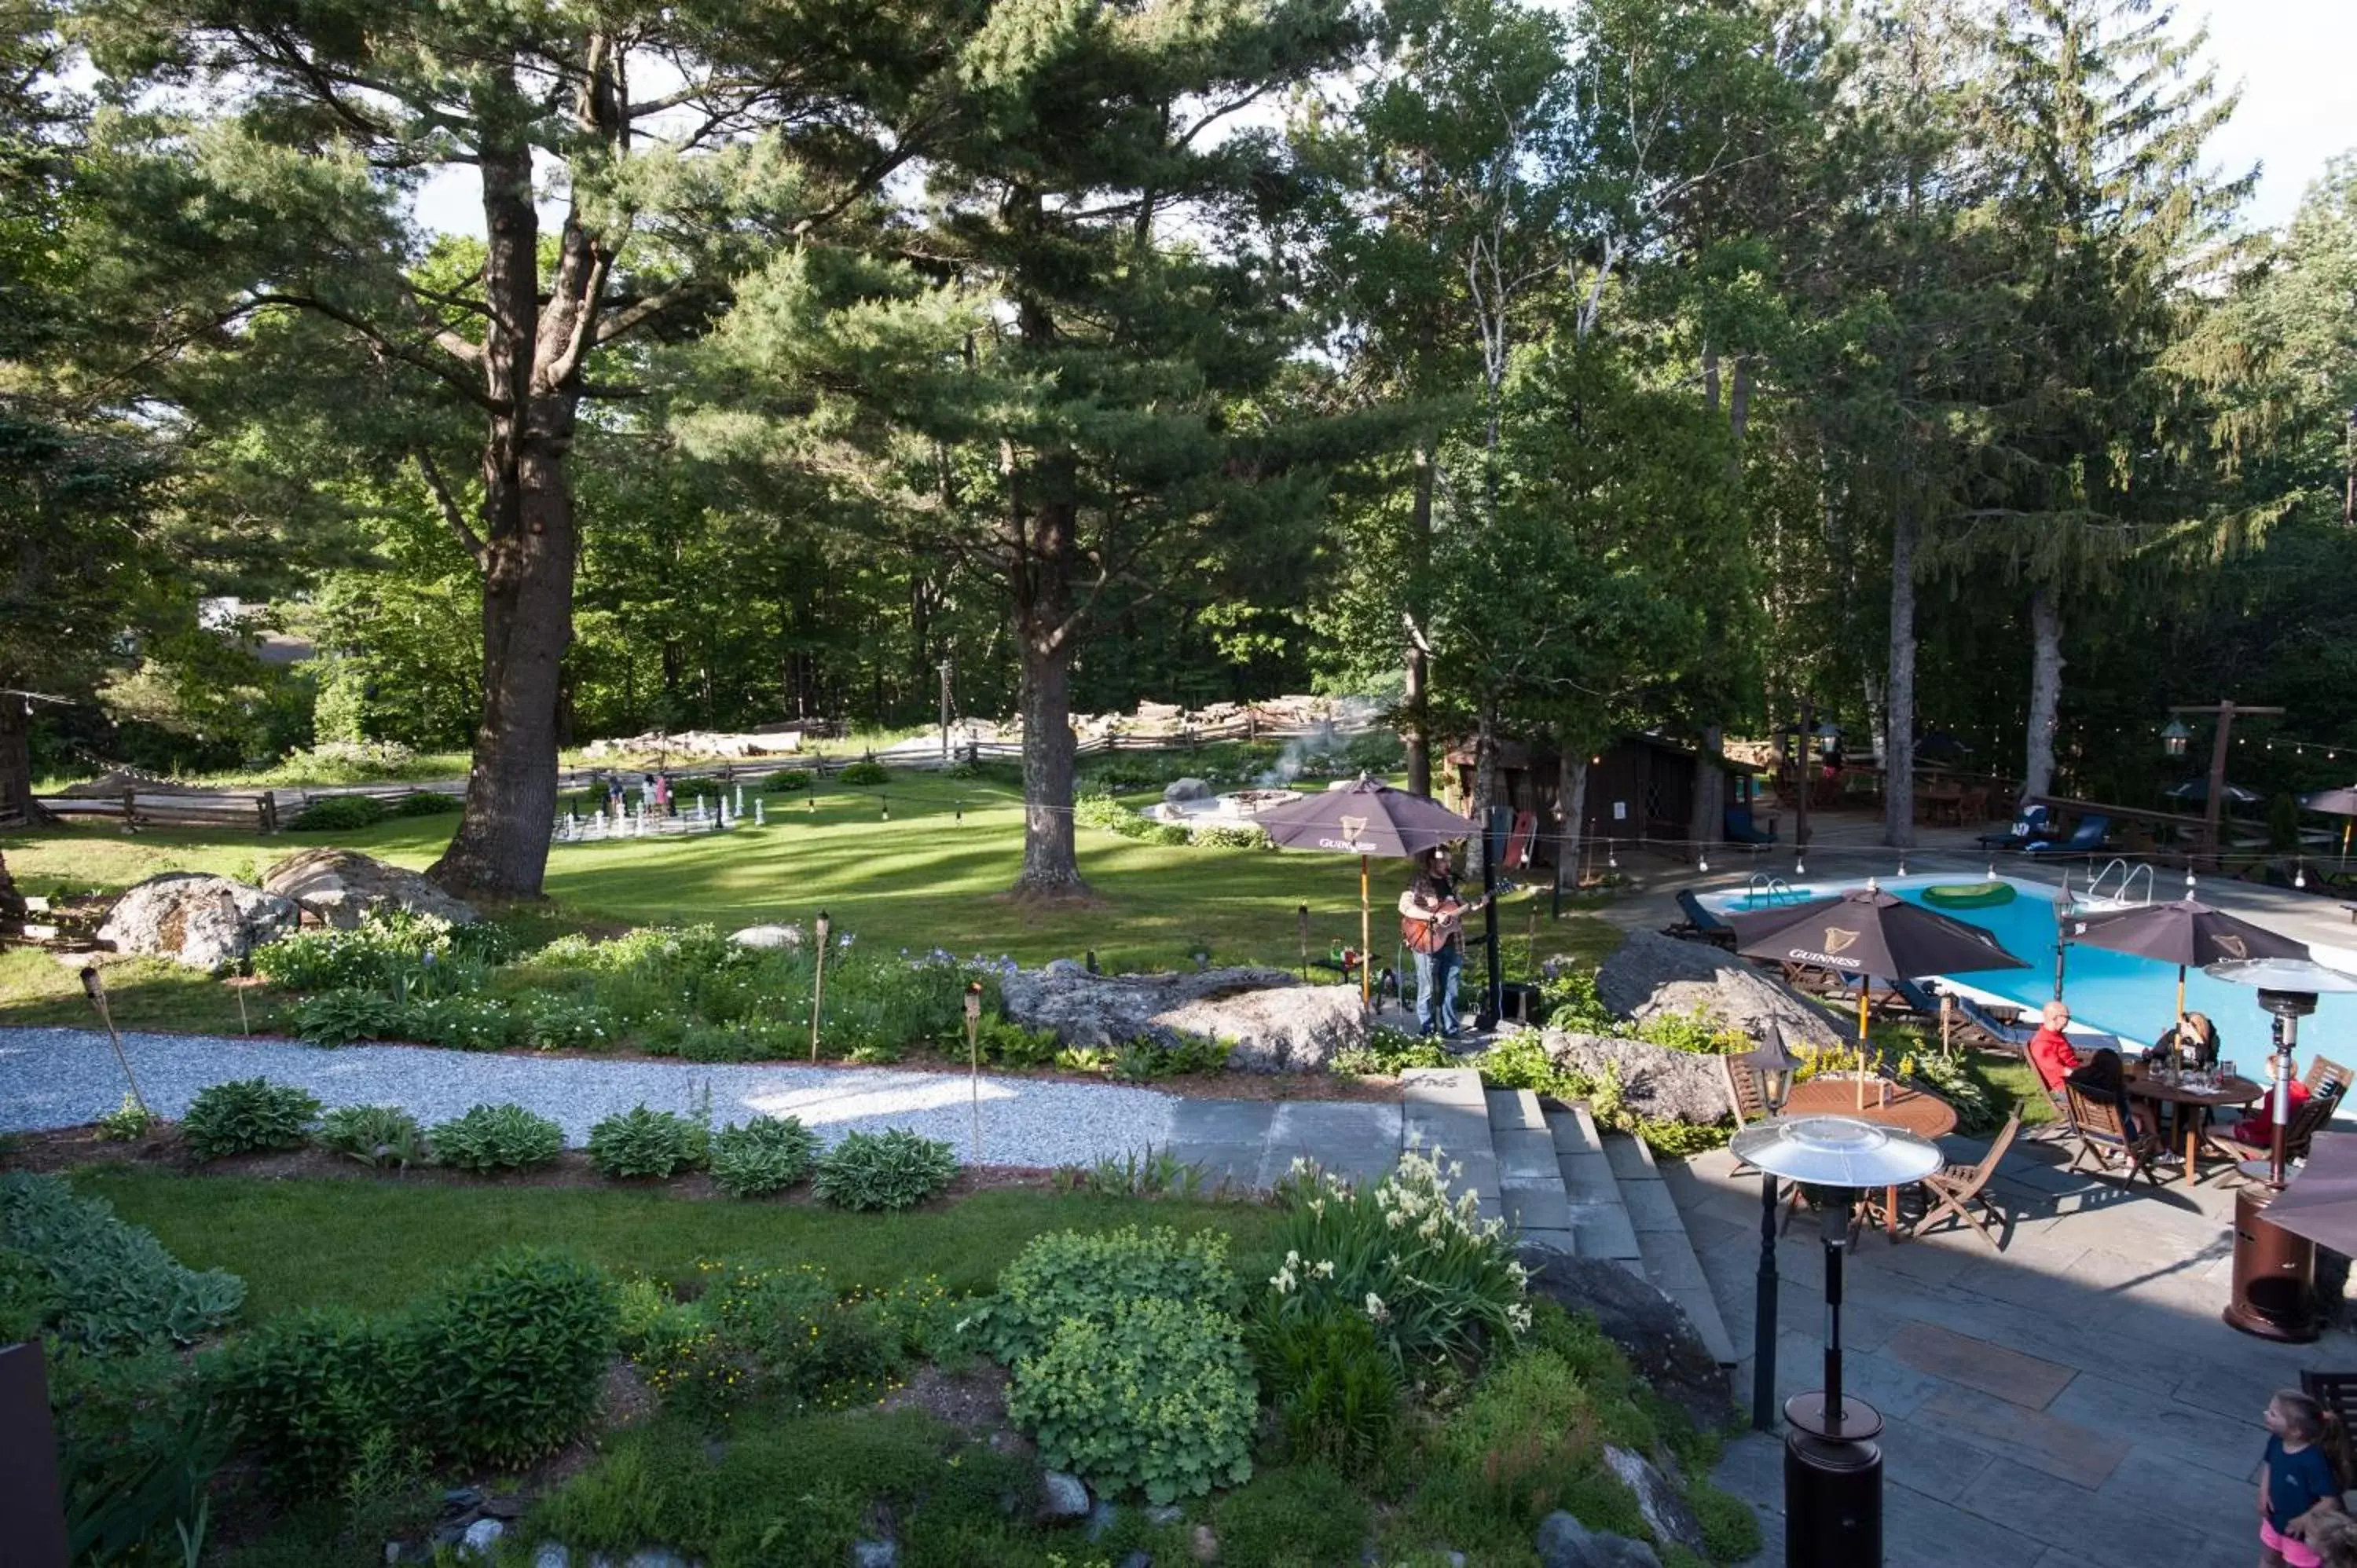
{"x": 2321, "y": 1201}
{"x": 2196, "y": 792}
{"x": 1364, "y": 819}
{"x": 1872, "y": 935}
{"x": 2186, "y": 932}
{"x": 2339, "y": 803}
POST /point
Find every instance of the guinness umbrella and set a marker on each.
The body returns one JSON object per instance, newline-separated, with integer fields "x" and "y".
{"x": 1364, "y": 819}
{"x": 2335, "y": 803}
{"x": 2321, "y": 1201}
{"x": 2186, "y": 933}
{"x": 1867, "y": 934}
{"x": 2195, "y": 792}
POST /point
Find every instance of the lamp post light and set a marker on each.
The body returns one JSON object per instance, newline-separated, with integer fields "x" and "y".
{"x": 2174, "y": 737}
{"x": 1832, "y": 1466}
{"x": 1771, "y": 1070}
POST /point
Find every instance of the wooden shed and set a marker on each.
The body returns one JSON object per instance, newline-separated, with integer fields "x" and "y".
{"x": 1641, "y": 786}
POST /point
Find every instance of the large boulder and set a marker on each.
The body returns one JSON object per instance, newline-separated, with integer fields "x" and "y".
{"x": 201, "y": 921}
{"x": 1656, "y": 1083}
{"x": 1187, "y": 790}
{"x": 1653, "y": 975}
{"x": 1651, "y": 1329}
{"x": 1666, "y": 1512}
{"x": 341, "y": 886}
{"x": 1565, "y": 1543}
{"x": 1277, "y": 1023}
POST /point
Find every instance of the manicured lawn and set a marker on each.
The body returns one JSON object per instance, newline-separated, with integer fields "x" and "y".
{"x": 377, "y": 1245}
{"x": 926, "y": 877}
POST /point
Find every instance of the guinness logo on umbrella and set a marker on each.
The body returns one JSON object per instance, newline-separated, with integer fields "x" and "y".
{"x": 2231, "y": 945}
{"x": 1839, "y": 940}
{"x": 1352, "y": 826}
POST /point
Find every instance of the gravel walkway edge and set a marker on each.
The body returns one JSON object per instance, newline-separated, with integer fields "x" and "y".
{"x": 62, "y": 1077}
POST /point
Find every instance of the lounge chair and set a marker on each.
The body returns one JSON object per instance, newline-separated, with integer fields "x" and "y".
{"x": 2032, "y": 823}
{"x": 2086, "y": 838}
{"x": 1952, "y": 1190}
{"x": 1740, "y": 828}
{"x": 2106, "y": 1136}
{"x": 1700, "y": 924}
{"x": 2324, "y": 1071}
{"x": 1975, "y": 1027}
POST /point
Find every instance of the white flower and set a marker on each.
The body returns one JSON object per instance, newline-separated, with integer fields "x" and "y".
{"x": 1300, "y": 1163}
{"x": 1282, "y": 1280}
{"x": 1394, "y": 1220}
{"x": 1292, "y": 1258}
{"x": 1325, "y": 1269}
{"x": 1377, "y": 1311}
{"x": 1317, "y": 1205}
{"x": 1456, "y": 1169}
{"x": 1518, "y": 1318}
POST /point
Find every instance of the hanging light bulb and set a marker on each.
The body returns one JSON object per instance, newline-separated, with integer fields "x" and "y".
{"x": 1702, "y": 862}
{"x": 2188, "y": 882}
{"x": 1903, "y": 862}
{"x": 1611, "y": 858}
{"x": 1872, "y": 885}
{"x": 2299, "y": 877}
{"x": 1992, "y": 871}
{"x": 1801, "y": 863}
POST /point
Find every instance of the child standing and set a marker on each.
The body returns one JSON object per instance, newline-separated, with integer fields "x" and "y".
{"x": 2298, "y": 1480}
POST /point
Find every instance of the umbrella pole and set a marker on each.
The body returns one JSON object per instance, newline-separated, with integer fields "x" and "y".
{"x": 1864, "y": 990}
{"x": 2351, "y": 823}
{"x": 2181, "y": 1000}
{"x": 1366, "y": 940}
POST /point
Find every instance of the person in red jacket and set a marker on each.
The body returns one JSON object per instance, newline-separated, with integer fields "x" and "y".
{"x": 2050, "y": 1048}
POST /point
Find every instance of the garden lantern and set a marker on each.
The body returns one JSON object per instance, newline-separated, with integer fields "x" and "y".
{"x": 1771, "y": 1071}
{"x": 973, "y": 1060}
{"x": 1832, "y": 1466}
{"x": 2173, "y": 738}
{"x": 818, "y": 978}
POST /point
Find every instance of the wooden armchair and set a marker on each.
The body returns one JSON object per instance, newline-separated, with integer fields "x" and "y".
{"x": 2305, "y": 1123}
{"x": 2106, "y": 1137}
{"x": 2324, "y": 1071}
{"x": 1953, "y": 1190}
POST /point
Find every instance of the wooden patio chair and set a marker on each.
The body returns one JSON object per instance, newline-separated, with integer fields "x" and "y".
{"x": 1955, "y": 1189}
{"x": 2324, "y": 1071}
{"x": 2310, "y": 1119}
{"x": 2105, "y": 1137}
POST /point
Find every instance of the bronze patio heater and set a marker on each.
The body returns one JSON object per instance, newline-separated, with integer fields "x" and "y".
{"x": 1832, "y": 1466}
{"x": 2275, "y": 1271}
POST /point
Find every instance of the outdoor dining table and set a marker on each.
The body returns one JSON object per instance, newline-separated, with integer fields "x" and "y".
{"x": 1915, "y": 1109}
{"x": 2188, "y": 1101}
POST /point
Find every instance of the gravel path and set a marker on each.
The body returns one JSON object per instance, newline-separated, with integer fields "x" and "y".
{"x": 62, "y": 1077}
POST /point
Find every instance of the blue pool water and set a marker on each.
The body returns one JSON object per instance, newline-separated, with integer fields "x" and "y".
{"x": 2132, "y": 997}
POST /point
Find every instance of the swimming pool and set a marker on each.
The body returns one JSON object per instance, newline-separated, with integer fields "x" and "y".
{"x": 2134, "y": 998}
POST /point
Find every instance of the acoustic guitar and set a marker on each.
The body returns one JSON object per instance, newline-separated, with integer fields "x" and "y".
{"x": 1429, "y": 935}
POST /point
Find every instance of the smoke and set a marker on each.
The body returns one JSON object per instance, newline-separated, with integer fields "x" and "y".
{"x": 1321, "y": 744}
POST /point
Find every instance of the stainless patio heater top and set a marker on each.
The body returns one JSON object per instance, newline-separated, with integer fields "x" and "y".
{"x": 2287, "y": 989}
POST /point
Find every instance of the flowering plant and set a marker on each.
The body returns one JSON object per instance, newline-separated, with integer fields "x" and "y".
{"x": 1431, "y": 1276}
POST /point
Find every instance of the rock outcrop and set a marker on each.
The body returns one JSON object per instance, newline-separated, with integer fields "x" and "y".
{"x": 341, "y": 886}
{"x": 1276, "y": 1023}
{"x": 199, "y": 921}
{"x": 1656, "y": 1083}
{"x": 1653, "y": 975}
{"x": 1651, "y": 1329}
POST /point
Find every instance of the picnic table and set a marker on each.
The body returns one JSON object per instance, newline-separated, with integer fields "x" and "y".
{"x": 2190, "y": 1103}
{"x": 1891, "y": 1104}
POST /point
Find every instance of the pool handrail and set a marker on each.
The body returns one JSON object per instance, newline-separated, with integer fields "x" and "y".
{"x": 2119, "y": 898}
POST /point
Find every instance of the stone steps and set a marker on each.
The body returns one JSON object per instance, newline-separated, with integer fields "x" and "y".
{"x": 1529, "y": 1184}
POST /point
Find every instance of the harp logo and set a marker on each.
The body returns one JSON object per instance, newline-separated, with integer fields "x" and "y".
{"x": 2234, "y": 946}
{"x": 1351, "y": 827}
{"x": 1838, "y": 942}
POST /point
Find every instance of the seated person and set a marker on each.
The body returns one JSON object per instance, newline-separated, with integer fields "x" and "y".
{"x": 2103, "y": 1077}
{"x": 2195, "y": 1036}
{"x": 2050, "y": 1048}
{"x": 2258, "y": 1128}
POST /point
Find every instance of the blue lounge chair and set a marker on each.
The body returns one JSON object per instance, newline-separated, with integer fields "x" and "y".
{"x": 2085, "y": 839}
{"x": 1741, "y": 829}
{"x": 2032, "y": 823}
{"x": 1977, "y": 1019}
{"x": 1700, "y": 924}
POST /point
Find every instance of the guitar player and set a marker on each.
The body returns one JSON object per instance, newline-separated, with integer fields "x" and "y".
{"x": 1432, "y": 900}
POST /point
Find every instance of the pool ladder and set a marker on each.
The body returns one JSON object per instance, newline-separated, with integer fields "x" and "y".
{"x": 1769, "y": 891}
{"x": 2119, "y": 896}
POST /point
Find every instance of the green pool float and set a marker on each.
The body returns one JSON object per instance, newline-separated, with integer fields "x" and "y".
{"x": 1969, "y": 894}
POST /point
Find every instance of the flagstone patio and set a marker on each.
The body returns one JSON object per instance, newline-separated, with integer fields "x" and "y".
{"x": 2074, "y": 1399}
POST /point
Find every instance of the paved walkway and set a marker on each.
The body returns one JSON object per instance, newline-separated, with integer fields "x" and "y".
{"x": 63, "y": 1078}
{"x": 2072, "y": 1400}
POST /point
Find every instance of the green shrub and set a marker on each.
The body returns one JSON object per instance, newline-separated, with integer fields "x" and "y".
{"x": 785, "y": 781}
{"x": 1433, "y": 1278}
{"x": 1006, "y": 1043}
{"x": 137, "y": 1446}
{"x": 374, "y": 1135}
{"x": 1391, "y": 1052}
{"x": 247, "y": 1115}
{"x": 511, "y": 1356}
{"x": 1168, "y": 834}
{"x": 1073, "y": 1274}
{"x": 1159, "y": 1397}
{"x": 766, "y": 1155}
{"x": 386, "y": 945}
{"x": 1529, "y": 1440}
{"x": 1217, "y": 835}
{"x": 1730, "y": 1527}
{"x": 863, "y": 773}
{"x": 311, "y": 1389}
{"x": 496, "y": 1138}
{"x": 127, "y": 1123}
{"x": 338, "y": 814}
{"x": 343, "y": 1016}
{"x": 1329, "y": 1383}
{"x": 548, "y": 1023}
{"x": 639, "y": 1142}
{"x": 796, "y": 1332}
{"x": 460, "y": 1023}
{"x": 97, "y": 1282}
{"x": 892, "y": 1169}
{"x": 428, "y": 803}
{"x": 1305, "y": 1518}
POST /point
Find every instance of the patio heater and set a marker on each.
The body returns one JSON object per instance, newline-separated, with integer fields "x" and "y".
{"x": 1772, "y": 1068}
{"x": 2275, "y": 1271}
{"x": 1832, "y": 1466}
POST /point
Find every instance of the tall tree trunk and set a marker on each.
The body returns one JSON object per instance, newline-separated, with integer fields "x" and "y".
{"x": 2045, "y": 691}
{"x": 1485, "y": 785}
{"x": 16, "y": 760}
{"x": 12, "y": 903}
{"x": 1899, "y": 688}
{"x": 1709, "y": 825}
{"x": 1416, "y": 703}
{"x": 1050, "y": 864}
{"x": 1571, "y": 809}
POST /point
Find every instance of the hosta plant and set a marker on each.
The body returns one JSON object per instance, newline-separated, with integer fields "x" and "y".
{"x": 495, "y": 1138}
{"x": 766, "y": 1155}
{"x": 374, "y": 1135}
{"x": 245, "y": 1115}
{"x": 639, "y": 1142}
{"x": 892, "y": 1169}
